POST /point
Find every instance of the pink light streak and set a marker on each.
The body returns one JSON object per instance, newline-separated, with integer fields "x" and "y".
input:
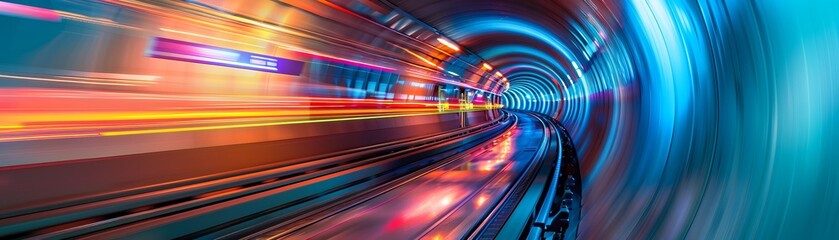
{"x": 18, "y": 10}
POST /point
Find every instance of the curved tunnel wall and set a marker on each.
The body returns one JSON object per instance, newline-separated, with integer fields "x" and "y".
{"x": 699, "y": 120}
{"x": 709, "y": 120}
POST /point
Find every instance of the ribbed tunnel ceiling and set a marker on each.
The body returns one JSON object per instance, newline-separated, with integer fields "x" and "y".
{"x": 547, "y": 49}
{"x": 535, "y": 43}
{"x": 688, "y": 116}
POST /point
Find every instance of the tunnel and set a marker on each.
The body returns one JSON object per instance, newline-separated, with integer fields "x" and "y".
{"x": 419, "y": 119}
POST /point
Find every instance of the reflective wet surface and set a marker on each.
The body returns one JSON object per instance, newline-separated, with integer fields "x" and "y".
{"x": 442, "y": 204}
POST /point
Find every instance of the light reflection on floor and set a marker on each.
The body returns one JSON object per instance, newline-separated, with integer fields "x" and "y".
{"x": 443, "y": 203}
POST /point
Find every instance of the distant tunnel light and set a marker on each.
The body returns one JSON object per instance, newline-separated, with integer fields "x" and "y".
{"x": 448, "y": 44}
{"x": 18, "y": 10}
{"x": 452, "y": 73}
{"x": 578, "y": 69}
{"x": 487, "y": 66}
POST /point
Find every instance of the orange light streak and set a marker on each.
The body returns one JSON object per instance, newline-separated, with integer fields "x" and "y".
{"x": 209, "y": 37}
{"x": 43, "y": 137}
{"x": 90, "y": 81}
{"x": 420, "y": 57}
{"x": 184, "y": 129}
{"x": 11, "y": 126}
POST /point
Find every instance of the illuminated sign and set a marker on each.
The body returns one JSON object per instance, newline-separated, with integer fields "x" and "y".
{"x": 198, "y": 53}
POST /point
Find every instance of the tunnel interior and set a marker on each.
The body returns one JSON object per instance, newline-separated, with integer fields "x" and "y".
{"x": 691, "y": 119}
{"x": 684, "y": 113}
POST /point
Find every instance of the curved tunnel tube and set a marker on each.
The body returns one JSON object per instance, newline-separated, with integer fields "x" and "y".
{"x": 693, "y": 119}
{"x": 707, "y": 120}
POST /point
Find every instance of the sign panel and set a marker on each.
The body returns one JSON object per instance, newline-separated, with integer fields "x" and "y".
{"x": 199, "y": 53}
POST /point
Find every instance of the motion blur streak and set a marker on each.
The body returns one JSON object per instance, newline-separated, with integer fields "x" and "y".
{"x": 692, "y": 119}
{"x": 12, "y": 9}
{"x": 49, "y": 114}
